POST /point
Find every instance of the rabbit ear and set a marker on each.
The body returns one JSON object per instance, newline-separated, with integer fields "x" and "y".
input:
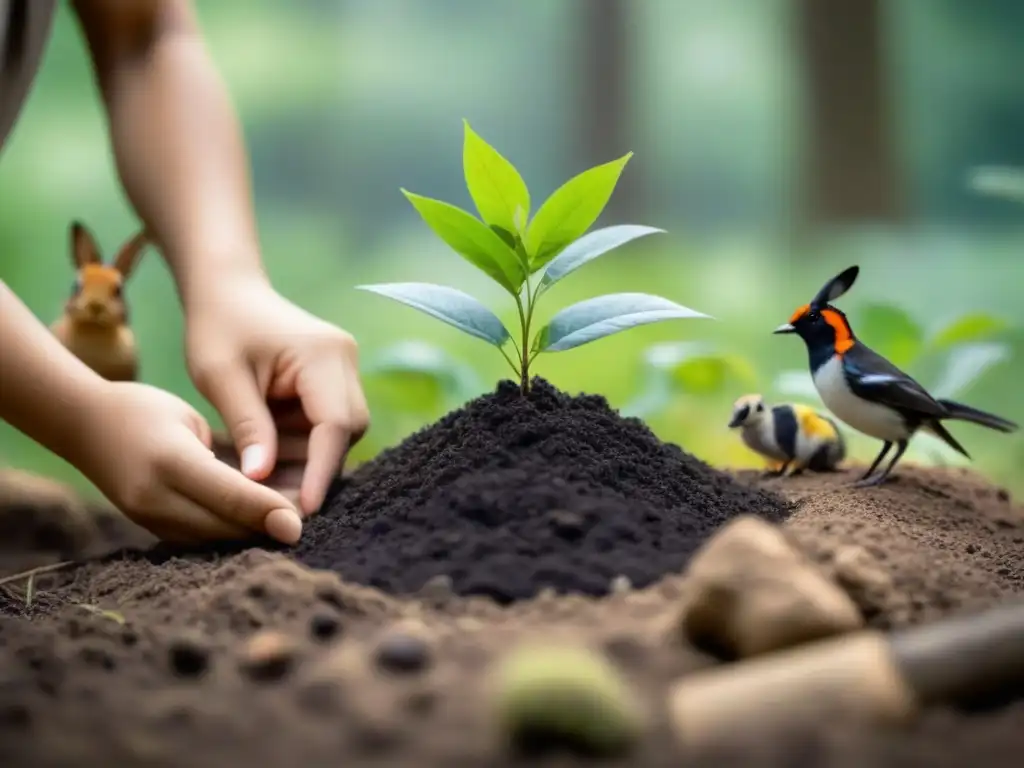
{"x": 83, "y": 246}
{"x": 126, "y": 258}
{"x": 835, "y": 287}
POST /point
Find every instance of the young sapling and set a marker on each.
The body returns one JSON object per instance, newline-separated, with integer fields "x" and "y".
{"x": 528, "y": 256}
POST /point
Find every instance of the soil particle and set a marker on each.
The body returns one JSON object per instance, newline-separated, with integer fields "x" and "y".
{"x": 511, "y": 494}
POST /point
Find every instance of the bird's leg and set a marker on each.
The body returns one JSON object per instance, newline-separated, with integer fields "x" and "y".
{"x": 775, "y": 468}
{"x": 875, "y": 463}
{"x": 901, "y": 446}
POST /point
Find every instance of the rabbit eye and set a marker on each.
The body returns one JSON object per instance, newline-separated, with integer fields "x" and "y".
{"x": 76, "y": 287}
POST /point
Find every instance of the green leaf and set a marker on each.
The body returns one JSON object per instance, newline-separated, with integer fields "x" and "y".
{"x": 413, "y": 362}
{"x": 497, "y": 189}
{"x": 471, "y": 239}
{"x": 891, "y": 332}
{"x": 604, "y": 315}
{"x": 699, "y": 367}
{"x": 966, "y": 364}
{"x": 571, "y": 210}
{"x": 589, "y": 247}
{"x": 973, "y": 327}
{"x": 998, "y": 181}
{"x": 448, "y": 305}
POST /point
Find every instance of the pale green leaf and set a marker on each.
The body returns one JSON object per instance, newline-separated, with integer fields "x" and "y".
{"x": 965, "y": 364}
{"x": 471, "y": 239}
{"x": 973, "y": 327}
{"x": 796, "y": 384}
{"x": 891, "y": 332}
{"x": 571, "y": 210}
{"x": 699, "y": 367}
{"x": 448, "y": 305}
{"x": 604, "y": 315}
{"x": 589, "y": 247}
{"x": 999, "y": 181}
{"x": 497, "y": 189}
{"x": 419, "y": 359}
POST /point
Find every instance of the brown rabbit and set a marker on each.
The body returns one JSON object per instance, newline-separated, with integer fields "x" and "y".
{"x": 94, "y": 325}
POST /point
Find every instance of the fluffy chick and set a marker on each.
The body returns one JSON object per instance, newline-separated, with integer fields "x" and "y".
{"x": 790, "y": 436}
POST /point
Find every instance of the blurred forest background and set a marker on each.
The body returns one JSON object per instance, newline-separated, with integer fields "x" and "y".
{"x": 778, "y": 141}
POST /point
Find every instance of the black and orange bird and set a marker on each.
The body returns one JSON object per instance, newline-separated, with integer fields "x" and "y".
{"x": 865, "y": 390}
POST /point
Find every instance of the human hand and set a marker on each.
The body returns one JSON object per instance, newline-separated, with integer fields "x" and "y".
{"x": 149, "y": 453}
{"x": 285, "y": 382}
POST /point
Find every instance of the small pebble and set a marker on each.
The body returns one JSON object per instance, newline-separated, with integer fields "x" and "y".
{"x": 555, "y": 699}
{"x": 268, "y": 656}
{"x": 621, "y": 585}
{"x": 402, "y": 653}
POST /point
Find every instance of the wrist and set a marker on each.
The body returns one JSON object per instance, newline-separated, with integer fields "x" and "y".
{"x": 67, "y": 425}
{"x": 203, "y": 281}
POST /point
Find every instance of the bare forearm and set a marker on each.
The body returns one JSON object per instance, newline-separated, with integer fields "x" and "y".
{"x": 177, "y": 142}
{"x": 45, "y": 391}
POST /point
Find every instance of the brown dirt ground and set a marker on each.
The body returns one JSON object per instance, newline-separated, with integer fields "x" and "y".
{"x": 176, "y": 685}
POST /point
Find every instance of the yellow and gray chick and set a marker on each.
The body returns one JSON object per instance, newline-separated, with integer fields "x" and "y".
{"x": 790, "y": 436}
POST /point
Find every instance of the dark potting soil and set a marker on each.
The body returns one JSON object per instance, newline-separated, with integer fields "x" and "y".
{"x": 511, "y": 494}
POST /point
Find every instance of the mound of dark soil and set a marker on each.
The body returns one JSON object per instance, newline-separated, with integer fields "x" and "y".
{"x": 511, "y": 494}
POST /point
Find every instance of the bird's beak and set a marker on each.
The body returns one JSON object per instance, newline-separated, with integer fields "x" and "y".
{"x": 785, "y": 328}
{"x": 734, "y": 422}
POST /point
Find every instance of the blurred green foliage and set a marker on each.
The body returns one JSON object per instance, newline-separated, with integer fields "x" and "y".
{"x": 345, "y": 102}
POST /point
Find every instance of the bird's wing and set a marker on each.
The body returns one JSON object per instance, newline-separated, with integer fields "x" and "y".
{"x": 874, "y": 378}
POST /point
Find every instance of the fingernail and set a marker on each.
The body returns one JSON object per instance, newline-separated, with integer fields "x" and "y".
{"x": 252, "y": 459}
{"x": 284, "y": 525}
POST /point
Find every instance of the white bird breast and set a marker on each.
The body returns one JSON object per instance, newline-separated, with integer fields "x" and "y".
{"x": 874, "y": 420}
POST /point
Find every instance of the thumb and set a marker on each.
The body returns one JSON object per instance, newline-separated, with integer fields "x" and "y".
{"x": 237, "y": 397}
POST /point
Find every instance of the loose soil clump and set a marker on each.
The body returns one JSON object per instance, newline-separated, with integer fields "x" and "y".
{"x": 512, "y": 494}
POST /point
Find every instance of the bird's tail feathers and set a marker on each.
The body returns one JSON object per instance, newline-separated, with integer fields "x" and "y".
{"x": 936, "y": 428}
{"x": 967, "y": 413}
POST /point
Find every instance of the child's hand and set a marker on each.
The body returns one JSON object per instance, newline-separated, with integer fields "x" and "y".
{"x": 149, "y": 453}
{"x": 274, "y": 371}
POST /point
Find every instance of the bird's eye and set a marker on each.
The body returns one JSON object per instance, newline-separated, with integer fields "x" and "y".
{"x": 813, "y": 316}
{"x": 760, "y": 407}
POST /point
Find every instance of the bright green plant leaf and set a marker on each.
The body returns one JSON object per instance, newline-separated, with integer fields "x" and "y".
{"x": 471, "y": 239}
{"x": 998, "y": 181}
{"x": 589, "y": 247}
{"x": 571, "y": 210}
{"x": 448, "y": 305}
{"x": 698, "y": 367}
{"x": 604, "y": 315}
{"x": 891, "y": 332}
{"x": 974, "y": 327}
{"x": 497, "y": 189}
{"x": 965, "y": 364}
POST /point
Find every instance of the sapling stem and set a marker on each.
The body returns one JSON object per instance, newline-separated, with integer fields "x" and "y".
{"x": 524, "y": 349}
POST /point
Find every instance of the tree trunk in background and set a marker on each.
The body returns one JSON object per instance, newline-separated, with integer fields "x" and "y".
{"x": 851, "y": 172}
{"x": 605, "y": 36}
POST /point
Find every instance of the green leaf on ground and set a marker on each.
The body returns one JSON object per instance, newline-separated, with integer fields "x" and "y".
{"x": 571, "y": 210}
{"x": 497, "y": 189}
{"x": 471, "y": 239}
{"x": 604, "y": 315}
{"x": 448, "y": 305}
{"x": 589, "y": 247}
